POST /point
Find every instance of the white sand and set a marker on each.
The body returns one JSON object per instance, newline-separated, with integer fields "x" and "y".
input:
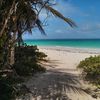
{"x": 66, "y": 59}
{"x": 62, "y": 80}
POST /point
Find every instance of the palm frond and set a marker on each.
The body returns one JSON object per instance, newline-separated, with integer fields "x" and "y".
{"x": 39, "y": 25}
{"x": 58, "y": 14}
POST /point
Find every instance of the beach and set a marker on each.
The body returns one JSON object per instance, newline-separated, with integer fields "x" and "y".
{"x": 62, "y": 80}
{"x": 67, "y": 58}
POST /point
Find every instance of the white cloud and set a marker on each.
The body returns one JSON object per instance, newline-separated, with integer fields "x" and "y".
{"x": 88, "y": 28}
{"x": 58, "y": 31}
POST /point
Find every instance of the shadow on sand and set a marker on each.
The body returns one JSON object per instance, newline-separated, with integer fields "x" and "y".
{"x": 53, "y": 85}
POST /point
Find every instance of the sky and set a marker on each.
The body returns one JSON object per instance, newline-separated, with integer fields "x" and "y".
{"x": 85, "y": 13}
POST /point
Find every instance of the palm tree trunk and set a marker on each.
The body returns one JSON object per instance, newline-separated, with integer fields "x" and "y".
{"x": 12, "y": 58}
{"x": 12, "y": 50}
{"x": 6, "y": 20}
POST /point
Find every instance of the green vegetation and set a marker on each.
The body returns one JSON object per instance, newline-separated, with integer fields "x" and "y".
{"x": 27, "y": 63}
{"x": 27, "y": 60}
{"x": 91, "y": 69}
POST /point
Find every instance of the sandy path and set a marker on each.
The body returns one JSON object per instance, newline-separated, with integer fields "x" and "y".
{"x": 61, "y": 80}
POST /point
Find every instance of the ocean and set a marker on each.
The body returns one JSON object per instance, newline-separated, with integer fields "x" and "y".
{"x": 79, "y": 43}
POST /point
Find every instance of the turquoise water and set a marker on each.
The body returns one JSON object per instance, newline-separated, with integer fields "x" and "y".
{"x": 83, "y": 43}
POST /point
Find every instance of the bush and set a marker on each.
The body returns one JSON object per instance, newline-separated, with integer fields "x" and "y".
{"x": 28, "y": 68}
{"x": 26, "y": 63}
{"x": 27, "y": 60}
{"x": 91, "y": 69}
{"x": 8, "y": 90}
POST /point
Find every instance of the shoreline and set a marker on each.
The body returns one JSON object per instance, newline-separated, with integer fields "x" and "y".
{"x": 67, "y": 57}
{"x": 72, "y": 49}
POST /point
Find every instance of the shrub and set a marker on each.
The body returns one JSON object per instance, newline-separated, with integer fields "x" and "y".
{"x": 8, "y": 90}
{"x": 27, "y": 60}
{"x": 28, "y": 68}
{"x": 26, "y": 63}
{"x": 91, "y": 69}
{"x": 5, "y": 91}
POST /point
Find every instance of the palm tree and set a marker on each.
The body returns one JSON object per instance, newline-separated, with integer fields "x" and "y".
{"x": 30, "y": 8}
{"x": 18, "y": 16}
